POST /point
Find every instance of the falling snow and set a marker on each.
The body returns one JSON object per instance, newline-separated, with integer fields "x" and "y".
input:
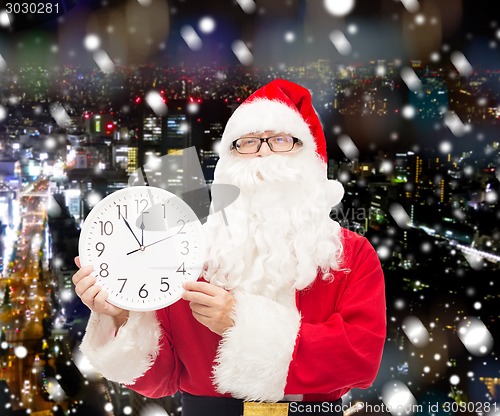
{"x": 103, "y": 61}
{"x": 92, "y": 42}
{"x": 461, "y": 63}
{"x": 340, "y": 42}
{"x": 58, "y": 112}
{"x": 339, "y": 7}
{"x": 207, "y": 24}
{"x": 408, "y": 111}
{"x": 156, "y": 102}
{"x": 191, "y": 38}
{"x": 398, "y": 398}
{"x": 248, "y": 6}
{"x": 242, "y": 52}
{"x": 411, "y": 79}
{"x": 3, "y": 63}
{"x": 4, "y": 19}
{"x": 399, "y": 215}
{"x": 348, "y": 146}
{"x": 475, "y": 336}
{"x": 415, "y": 331}
{"x": 411, "y": 5}
{"x": 455, "y": 124}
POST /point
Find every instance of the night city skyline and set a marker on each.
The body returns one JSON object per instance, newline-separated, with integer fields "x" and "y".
{"x": 408, "y": 94}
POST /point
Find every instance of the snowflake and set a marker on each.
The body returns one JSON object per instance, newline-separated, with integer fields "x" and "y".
{"x": 338, "y": 7}
{"x": 240, "y": 49}
{"x": 347, "y": 146}
{"x": 191, "y": 38}
{"x": 207, "y": 24}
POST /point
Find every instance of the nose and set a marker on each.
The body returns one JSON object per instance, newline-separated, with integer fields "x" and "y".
{"x": 264, "y": 150}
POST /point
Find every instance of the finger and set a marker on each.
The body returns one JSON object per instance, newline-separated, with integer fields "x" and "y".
{"x": 99, "y": 303}
{"x": 84, "y": 284}
{"x": 204, "y": 319}
{"x": 77, "y": 262}
{"x": 88, "y": 297}
{"x": 197, "y": 297}
{"x": 112, "y": 309}
{"x": 100, "y": 299}
{"x": 219, "y": 327}
{"x": 80, "y": 274}
{"x": 203, "y": 287}
{"x": 201, "y": 310}
{"x": 102, "y": 305}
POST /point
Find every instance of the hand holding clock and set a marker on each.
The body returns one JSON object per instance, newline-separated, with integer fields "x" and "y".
{"x": 93, "y": 296}
{"x": 119, "y": 281}
{"x": 212, "y": 306}
{"x": 132, "y": 261}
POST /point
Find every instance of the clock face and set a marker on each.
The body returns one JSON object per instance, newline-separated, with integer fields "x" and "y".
{"x": 143, "y": 243}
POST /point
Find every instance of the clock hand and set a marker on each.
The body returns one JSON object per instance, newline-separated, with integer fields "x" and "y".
{"x": 128, "y": 225}
{"x": 141, "y": 248}
{"x": 142, "y": 229}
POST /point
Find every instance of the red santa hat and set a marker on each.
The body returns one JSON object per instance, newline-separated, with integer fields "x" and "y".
{"x": 281, "y": 106}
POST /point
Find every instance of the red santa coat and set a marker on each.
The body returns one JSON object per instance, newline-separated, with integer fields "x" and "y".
{"x": 330, "y": 343}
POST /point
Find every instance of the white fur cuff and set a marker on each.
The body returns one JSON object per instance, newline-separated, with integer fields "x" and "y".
{"x": 129, "y": 354}
{"x": 254, "y": 355}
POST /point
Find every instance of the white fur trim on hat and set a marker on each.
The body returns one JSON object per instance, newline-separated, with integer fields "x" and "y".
{"x": 260, "y": 115}
{"x": 129, "y": 354}
{"x": 254, "y": 355}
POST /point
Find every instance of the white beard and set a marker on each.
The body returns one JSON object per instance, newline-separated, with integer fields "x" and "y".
{"x": 278, "y": 233}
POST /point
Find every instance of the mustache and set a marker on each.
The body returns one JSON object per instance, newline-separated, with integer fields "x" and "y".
{"x": 274, "y": 169}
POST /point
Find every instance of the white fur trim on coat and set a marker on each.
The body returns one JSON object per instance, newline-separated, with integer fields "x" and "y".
{"x": 129, "y": 354}
{"x": 260, "y": 115}
{"x": 254, "y": 355}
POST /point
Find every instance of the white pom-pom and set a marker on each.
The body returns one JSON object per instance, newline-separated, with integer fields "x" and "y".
{"x": 335, "y": 192}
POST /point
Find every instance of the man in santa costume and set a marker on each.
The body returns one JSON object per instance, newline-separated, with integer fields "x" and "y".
{"x": 291, "y": 307}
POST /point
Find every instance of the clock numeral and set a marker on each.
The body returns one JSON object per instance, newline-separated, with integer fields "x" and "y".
{"x": 106, "y": 227}
{"x": 181, "y": 269}
{"x": 183, "y": 223}
{"x": 104, "y": 270}
{"x": 125, "y": 210}
{"x": 185, "y": 249}
{"x": 141, "y": 205}
{"x": 123, "y": 285}
{"x": 164, "y": 282}
{"x": 143, "y": 293}
{"x": 100, "y": 248}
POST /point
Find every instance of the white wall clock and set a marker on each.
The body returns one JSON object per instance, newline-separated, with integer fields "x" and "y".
{"x": 143, "y": 243}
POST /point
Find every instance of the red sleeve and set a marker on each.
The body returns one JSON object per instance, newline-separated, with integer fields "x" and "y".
{"x": 345, "y": 349}
{"x": 162, "y": 379}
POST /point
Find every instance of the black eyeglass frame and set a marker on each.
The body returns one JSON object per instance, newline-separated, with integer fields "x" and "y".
{"x": 265, "y": 139}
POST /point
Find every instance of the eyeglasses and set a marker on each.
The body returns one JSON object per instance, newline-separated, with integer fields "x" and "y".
{"x": 279, "y": 143}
